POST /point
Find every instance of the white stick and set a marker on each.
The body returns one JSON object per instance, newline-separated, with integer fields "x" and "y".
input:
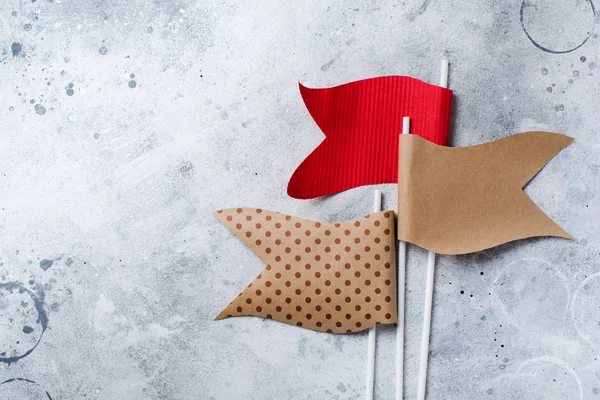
{"x": 373, "y": 329}
{"x": 401, "y": 295}
{"x": 429, "y": 287}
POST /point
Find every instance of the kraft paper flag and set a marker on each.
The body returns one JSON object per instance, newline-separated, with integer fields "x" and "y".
{"x": 462, "y": 200}
{"x": 337, "y": 278}
{"x": 361, "y": 121}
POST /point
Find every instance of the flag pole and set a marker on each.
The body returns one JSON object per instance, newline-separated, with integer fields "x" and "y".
{"x": 400, "y": 293}
{"x": 373, "y": 330}
{"x": 429, "y": 288}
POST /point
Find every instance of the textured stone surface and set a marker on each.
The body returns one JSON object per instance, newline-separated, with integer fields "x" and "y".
{"x": 124, "y": 124}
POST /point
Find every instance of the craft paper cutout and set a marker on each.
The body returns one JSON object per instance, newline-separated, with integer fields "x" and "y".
{"x": 462, "y": 200}
{"x": 361, "y": 121}
{"x": 337, "y": 278}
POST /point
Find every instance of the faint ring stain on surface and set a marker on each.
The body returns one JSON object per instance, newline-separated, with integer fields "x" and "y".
{"x": 539, "y": 19}
{"x": 584, "y": 309}
{"x": 23, "y": 321}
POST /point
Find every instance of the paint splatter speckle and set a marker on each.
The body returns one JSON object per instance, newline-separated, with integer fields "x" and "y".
{"x": 132, "y": 84}
{"x": 103, "y": 50}
{"x": 40, "y": 109}
{"x": 45, "y": 264}
{"x": 16, "y": 48}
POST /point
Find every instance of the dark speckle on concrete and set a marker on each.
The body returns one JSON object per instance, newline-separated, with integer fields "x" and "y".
{"x": 16, "y": 49}
{"x": 27, "y": 27}
{"x": 132, "y": 84}
{"x": 45, "y": 264}
{"x": 40, "y": 109}
{"x": 27, "y": 329}
{"x": 103, "y": 50}
{"x": 69, "y": 89}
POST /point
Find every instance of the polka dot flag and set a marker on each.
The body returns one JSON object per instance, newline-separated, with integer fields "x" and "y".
{"x": 337, "y": 278}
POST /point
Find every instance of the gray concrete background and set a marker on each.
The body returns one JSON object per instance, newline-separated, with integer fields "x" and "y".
{"x": 125, "y": 123}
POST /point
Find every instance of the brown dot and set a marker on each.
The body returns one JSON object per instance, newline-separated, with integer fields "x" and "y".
{"x": 387, "y": 282}
{"x": 308, "y": 316}
{"x": 367, "y": 232}
{"x": 239, "y": 309}
{"x": 337, "y": 241}
{"x": 307, "y": 266}
{"x": 367, "y": 249}
{"x": 357, "y": 240}
{"x": 298, "y": 323}
{"x": 288, "y": 250}
{"x": 347, "y": 283}
{"x": 268, "y": 300}
{"x": 277, "y": 242}
{"x": 288, "y": 233}
{"x": 347, "y": 266}
{"x": 388, "y": 316}
{"x": 347, "y": 232}
{"x": 297, "y": 274}
{"x": 377, "y": 290}
{"x": 288, "y": 283}
{"x": 289, "y": 316}
{"x": 288, "y": 300}
{"x": 348, "y": 330}
{"x": 378, "y": 273}
{"x": 338, "y": 324}
{"x": 278, "y": 225}
{"x": 317, "y": 274}
{"x": 229, "y": 218}
{"x": 337, "y": 225}
{"x": 338, "y": 257}
{"x": 328, "y": 316}
{"x": 368, "y": 316}
{"x": 288, "y": 267}
{"x": 338, "y": 291}
{"x": 307, "y": 233}
{"x": 376, "y": 223}
{"x": 327, "y": 232}
{"x": 387, "y": 248}
{"x": 278, "y": 275}
{"x": 318, "y": 241}
{"x": 249, "y": 218}
{"x": 268, "y": 233}
{"x": 318, "y": 257}
{"x": 298, "y": 258}
{"x": 377, "y": 240}
{"x": 367, "y": 299}
{"x": 248, "y": 234}
{"x": 367, "y": 265}
{"x": 318, "y": 224}
{"x": 288, "y": 217}
{"x": 278, "y": 258}
{"x": 239, "y": 210}
{"x": 318, "y": 308}
{"x": 367, "y": 282}
{"x": 268, "y": 217}
{"x": 388, "y": 299}
{"x": 239, "y": 226}
{"x": 338, "y": 274}
{"x": 308, "y": 300}
{"x": 378, "y": 307}
{"x": 348, "y": 316}
{"x": 219, "y": 211}
{"x": 387, "y": 265}
{"x": 298, "y": 292}
{"x": 318, "y": 291}
{"x": 327, "y": 266}
{"x": 357, "y": 257}
{"x": 358, "y": 324}
{"x": 278, "y": 308}
{"x": 259, "y": 309}
{"x": 278, "y": 292}
{"x": 258, "y": 292}
{"x": 347, "y": 249}
{"x": 297, "y": 241}
{"x": 298, "y": 308}
{"x": 377, "y": 257}
{"x": 387, "y": 231}
{"x": 327, "y": 299}
{"x": 319, "y": 324}
{"x": 327, "y": 249}
{"x": 357, "y": 224}
{"x": 307, "y": 249}
{"x": 307, "y": 283}
{"x": 268, "y": 283}
{"x": 258, "y": 225}
{"x": 357, "y": 274}
{"x": 328, "y": 283}
{"x": 357, "y": 290}
{"x": 348, "y": 299}
{"x": 258, "y": 242}
{"x": 269, "y": 316}
{"x": 298, "y": 225}
{"x": 357, "y": 308}
{"x": 268, "y": 250}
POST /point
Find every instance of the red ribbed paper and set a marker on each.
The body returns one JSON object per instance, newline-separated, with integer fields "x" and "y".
{"x": 361, "y": 121}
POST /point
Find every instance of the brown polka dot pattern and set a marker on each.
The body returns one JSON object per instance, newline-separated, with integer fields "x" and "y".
{"x": 326, "y": 277}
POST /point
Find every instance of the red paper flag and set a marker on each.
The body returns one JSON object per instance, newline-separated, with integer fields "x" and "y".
{"x": 362, "y": 121}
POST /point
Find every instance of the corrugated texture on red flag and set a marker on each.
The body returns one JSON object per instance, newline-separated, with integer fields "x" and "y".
{"x": 361, "y": 121}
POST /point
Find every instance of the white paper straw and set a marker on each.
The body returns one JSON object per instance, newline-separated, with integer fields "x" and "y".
{"x": 373, "y": 330}
{"x": 429, "y": 288}
{"x": 401, "y": 296}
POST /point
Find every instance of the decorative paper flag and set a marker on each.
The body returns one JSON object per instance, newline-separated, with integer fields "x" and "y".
{"x": 337, "y": 278}
{"x": 361, "y": 121}
{"x": 462, "y": 200}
